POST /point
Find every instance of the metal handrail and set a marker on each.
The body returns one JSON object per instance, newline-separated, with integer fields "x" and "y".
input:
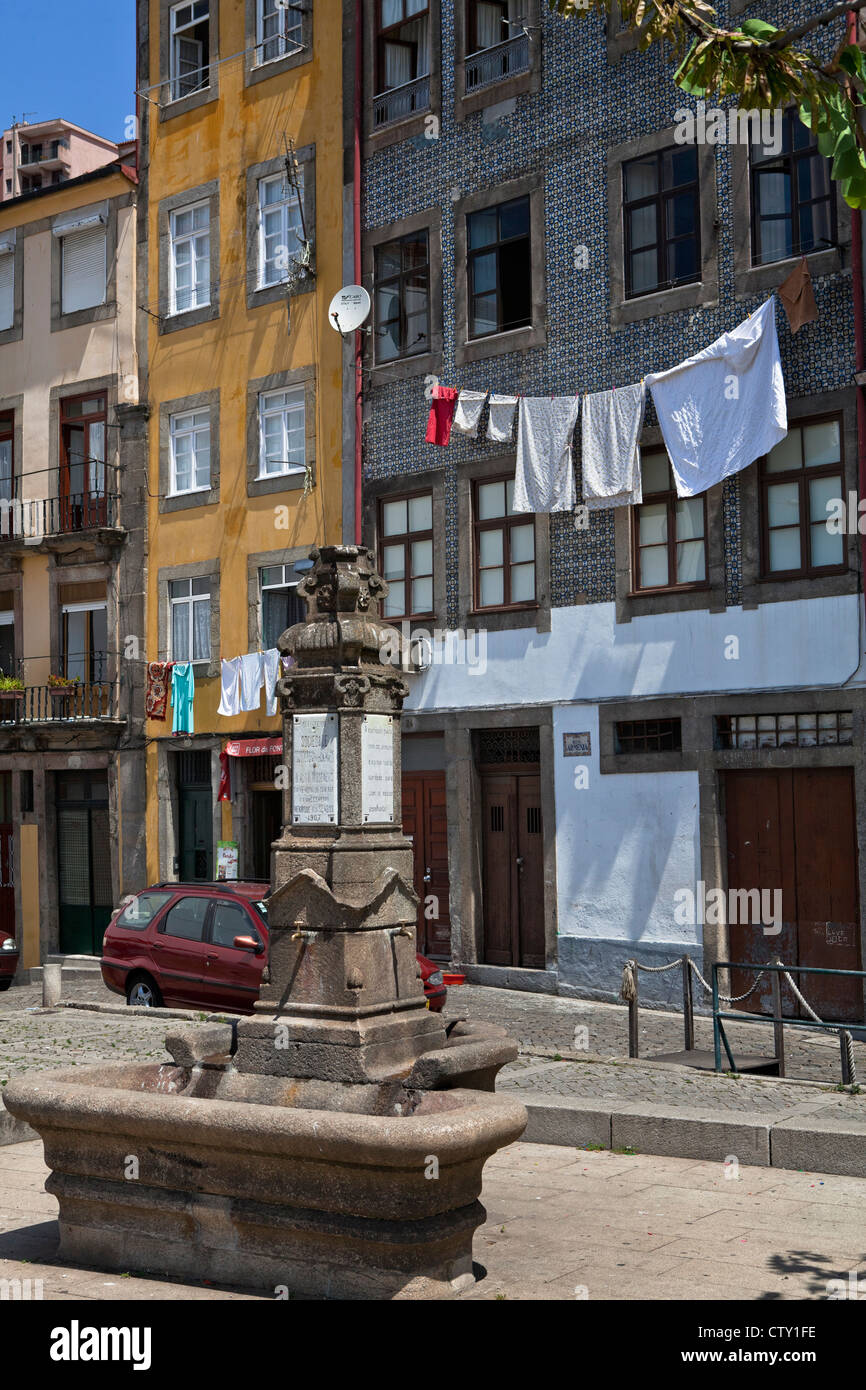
{"x": 492, "y": 64}
{"x": 401, "y": 101}
{"x": 34, "y": 518}
{"x": 54, "y": 704}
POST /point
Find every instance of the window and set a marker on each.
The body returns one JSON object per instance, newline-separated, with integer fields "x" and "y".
{"x": 7, "y": 458}
{"x": 488, "y": 24}
{"x": 190, "y": 451}
{"x": 229, "y": 921}
{"x": 281, "y": 607}
{"x": 669, "y": 532}
{"x": 82, "y": 268}
{"x": 402, "y": 292}
{"x": 279, "y": 29}
{"x": 499, "y": 268}
{"x": 793, "y": 205}
{"x": 83, "y": 500}
{"x": 497, "y": 42}
{"x": 661, "y": 220}
{"x": 648, "y": 736}
{"x": 281, "y": 227}
{"x": 190, "y": 258}
{"x": 504, "y": 548}
{"x": 85, "y": 642}
{"x": 139, "y": 914}
{"x": 189, "y": 49}
{"x": 7, "y": 288}
{"x": 808, "y": 730}
{"x": 186, "y": 919}
{"x": 402, "y": 59}
{"x": 7, "y": 644}
{"x": 798, "y": 478}
{"x": 189, "y": 600}
{"x": 282, "y": 443}
{"x": 406, "y": 540}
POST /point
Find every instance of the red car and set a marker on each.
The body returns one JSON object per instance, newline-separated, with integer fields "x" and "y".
{"x": 202, "y": 946}
{"x": 8, "y": 959}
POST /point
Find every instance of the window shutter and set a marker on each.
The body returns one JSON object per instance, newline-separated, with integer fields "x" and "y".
{"x": 83, "y": 270}
{"x": 7, "y": 291}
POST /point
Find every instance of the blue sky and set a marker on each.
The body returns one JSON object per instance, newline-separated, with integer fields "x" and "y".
{"x": 74, "y": 59}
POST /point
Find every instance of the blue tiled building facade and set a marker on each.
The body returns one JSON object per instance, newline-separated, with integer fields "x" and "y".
{"x": 551, "y": 112}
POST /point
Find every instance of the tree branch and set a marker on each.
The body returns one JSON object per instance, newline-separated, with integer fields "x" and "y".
{"x": 789, "y": 36}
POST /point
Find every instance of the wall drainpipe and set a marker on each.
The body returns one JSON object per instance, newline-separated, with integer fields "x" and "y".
{"x": 859, "y": 342}
{"x": 356, "y": 216}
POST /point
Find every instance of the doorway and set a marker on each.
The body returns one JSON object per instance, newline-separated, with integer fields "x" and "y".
{"x": 267, "y": 819}
{"x": 7, "y": 857}
{"x": 195, "y": 816}
{"x": 83, "y": 861}
{"x": 512, "y": 846}
{"x": 425, "y": 819}
{"x": 794, "y": 830}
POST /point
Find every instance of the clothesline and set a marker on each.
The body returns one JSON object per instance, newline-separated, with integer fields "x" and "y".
{"x": 242, "y": 679}
{"x": 718, "y": 411}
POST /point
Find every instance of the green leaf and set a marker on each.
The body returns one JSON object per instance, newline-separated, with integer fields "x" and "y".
{"x": 757, "y": 29}
{"x": 853, "y": 61}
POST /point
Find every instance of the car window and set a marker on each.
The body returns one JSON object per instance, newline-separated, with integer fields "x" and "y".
{"x": 186, "y": 918}
{"x": 141, "y": 911}
{"x": 262, "y": 910}
{"x": 230, "y": 921}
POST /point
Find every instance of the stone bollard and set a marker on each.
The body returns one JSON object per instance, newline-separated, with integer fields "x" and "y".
{"x": 51, "y": 985}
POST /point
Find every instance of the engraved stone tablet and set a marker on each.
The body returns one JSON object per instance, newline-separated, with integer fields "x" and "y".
{"x": 377, "y": 765}
{"x": 314, "y": 769}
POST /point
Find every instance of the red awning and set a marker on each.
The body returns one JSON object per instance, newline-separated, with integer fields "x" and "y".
{"x": 255, "y": 748}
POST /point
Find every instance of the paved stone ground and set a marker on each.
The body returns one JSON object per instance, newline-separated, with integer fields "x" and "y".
{"x": 562, "y": 1224}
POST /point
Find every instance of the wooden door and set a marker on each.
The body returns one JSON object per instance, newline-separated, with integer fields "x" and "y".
{"x": 7, "y": 858}
{"x": 425, "y": 820}
{"x": 196, "y": 834}
{"x": 512, "y": 869}
{"x": 794, "y": 830}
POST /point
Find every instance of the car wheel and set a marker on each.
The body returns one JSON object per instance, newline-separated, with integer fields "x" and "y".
{"x": 143, "y": 994}
{"x": 5, "y": 984}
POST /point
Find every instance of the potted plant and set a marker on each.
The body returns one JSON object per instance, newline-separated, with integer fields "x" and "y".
{"x": 61, "y": 688}
{"x": 11, "y": 691}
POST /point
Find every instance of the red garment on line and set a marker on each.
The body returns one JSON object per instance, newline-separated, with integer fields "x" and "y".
{"x": 441, "y": 414}
{"x": 225, "y": 787}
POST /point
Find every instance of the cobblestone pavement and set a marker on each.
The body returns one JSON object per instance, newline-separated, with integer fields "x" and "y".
{"x": 561, "y": 1224}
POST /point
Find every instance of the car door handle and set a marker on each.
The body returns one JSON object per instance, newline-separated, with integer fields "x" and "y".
{"x": 158, "y": 946}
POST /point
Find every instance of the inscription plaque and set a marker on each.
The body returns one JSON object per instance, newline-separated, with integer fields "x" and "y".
{"x": 377, "y": 768}
{"x": 315, "y": 769}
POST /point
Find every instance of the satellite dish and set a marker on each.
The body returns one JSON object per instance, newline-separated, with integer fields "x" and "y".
{"x": 349, "y": 308}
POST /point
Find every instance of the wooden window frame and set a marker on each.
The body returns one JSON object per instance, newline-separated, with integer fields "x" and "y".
{"x": 472, "y": 25}
{"x": 660, "y": 199}
{"x": 399, "y": 280}
{"x": 7, "y": 434}
{"x": 94, "y": 511}
{"x": 670, "y": 498}
{"x": 802, "y": 476}
{"x": 91, "y": 652}
{"x": 190, "y": 600}
{"x": 496, "y": 247}
{"x": 389, "y": 34}
{"x": 786, "y": 162}
{"x": 505, "y": 524}
{"x": 406, "y": 540}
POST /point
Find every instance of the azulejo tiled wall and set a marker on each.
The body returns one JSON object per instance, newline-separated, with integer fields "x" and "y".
{"x": 585, "y": 106}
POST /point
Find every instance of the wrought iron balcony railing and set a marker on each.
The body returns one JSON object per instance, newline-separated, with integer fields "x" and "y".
{"x": 35, "y": 518}
{"x": 55, "y": 704}
{"x": 400, "y": 102}
{"x": 493, "y": 64}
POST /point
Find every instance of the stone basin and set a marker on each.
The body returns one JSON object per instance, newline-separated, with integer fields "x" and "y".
{"x": 267, "y": 1182}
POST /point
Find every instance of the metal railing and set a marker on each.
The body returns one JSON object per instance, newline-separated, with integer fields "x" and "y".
{"x": 55, "y": 704}
{"x": 491, "y": 65}
{"x": 399, "y": 102}
{"x": 34, "y": 518}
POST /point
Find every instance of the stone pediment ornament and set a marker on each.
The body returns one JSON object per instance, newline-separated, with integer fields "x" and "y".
{"x": 308, "y": 902}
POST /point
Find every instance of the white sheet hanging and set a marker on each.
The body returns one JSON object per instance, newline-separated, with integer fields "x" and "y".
{"x": 724, "y": 407}
{"x": 468, "y": 412}
{"x": 501, "y": 419}
{"x": 252, "y": 680}
{"x": 271, "y": 670}
{"x": 544, "y": 476}
{"x": 230, "y": 690}
{"x": 611, "y": 426}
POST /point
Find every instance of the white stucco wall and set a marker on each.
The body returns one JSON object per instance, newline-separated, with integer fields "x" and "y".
{"x": 587, "y": 656}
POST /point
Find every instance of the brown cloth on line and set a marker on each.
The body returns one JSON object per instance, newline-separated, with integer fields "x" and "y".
{"x": 797, "y": 297}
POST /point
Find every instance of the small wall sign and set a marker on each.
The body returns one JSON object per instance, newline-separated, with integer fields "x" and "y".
{"x": 576, "y": 745}
{"x": 227, "y": 859}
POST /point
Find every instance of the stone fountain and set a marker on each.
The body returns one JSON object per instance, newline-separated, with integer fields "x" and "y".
{"x": 331, "y": 1145}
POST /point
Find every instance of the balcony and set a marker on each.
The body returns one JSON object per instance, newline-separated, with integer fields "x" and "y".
{"x": 53, "y": 704}
{"x": 400, "y": 102}
{"x": 502, "y": 60}
{"x": 32, "y": 520}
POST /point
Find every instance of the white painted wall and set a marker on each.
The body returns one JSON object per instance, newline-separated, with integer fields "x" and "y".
{"x": 625, "y": 844}
{"x": 587, "y": 656}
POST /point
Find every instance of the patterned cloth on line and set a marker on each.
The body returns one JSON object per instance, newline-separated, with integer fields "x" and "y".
{"x": 156, "y": 699}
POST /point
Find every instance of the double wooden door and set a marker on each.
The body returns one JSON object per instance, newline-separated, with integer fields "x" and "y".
{"x": 794, "y": 831}
{"x": 513, "y": 869}
{"x": 425, "y": 819}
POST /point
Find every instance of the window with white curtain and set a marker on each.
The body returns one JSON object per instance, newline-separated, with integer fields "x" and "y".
{"x": 189, "y": 600}
{"x": 190, "y": 258}
{"x": 280, "y": 227}
{"x": 83, "y": 267}
{"x": 189, "y": 49}
{"x": 190, "y": 451}
{"x": 280, "y": 29}
{"x": 85, "y": 642}
{"x": 402, "y": 43}
{"x": 282, "y": 447}
{"x": 7, "y": 289}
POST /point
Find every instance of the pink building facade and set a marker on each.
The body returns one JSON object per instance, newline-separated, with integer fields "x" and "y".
{"x": 47, "y": 153}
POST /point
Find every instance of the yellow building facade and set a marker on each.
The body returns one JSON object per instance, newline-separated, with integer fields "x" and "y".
{"x": 240, "y": 252}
